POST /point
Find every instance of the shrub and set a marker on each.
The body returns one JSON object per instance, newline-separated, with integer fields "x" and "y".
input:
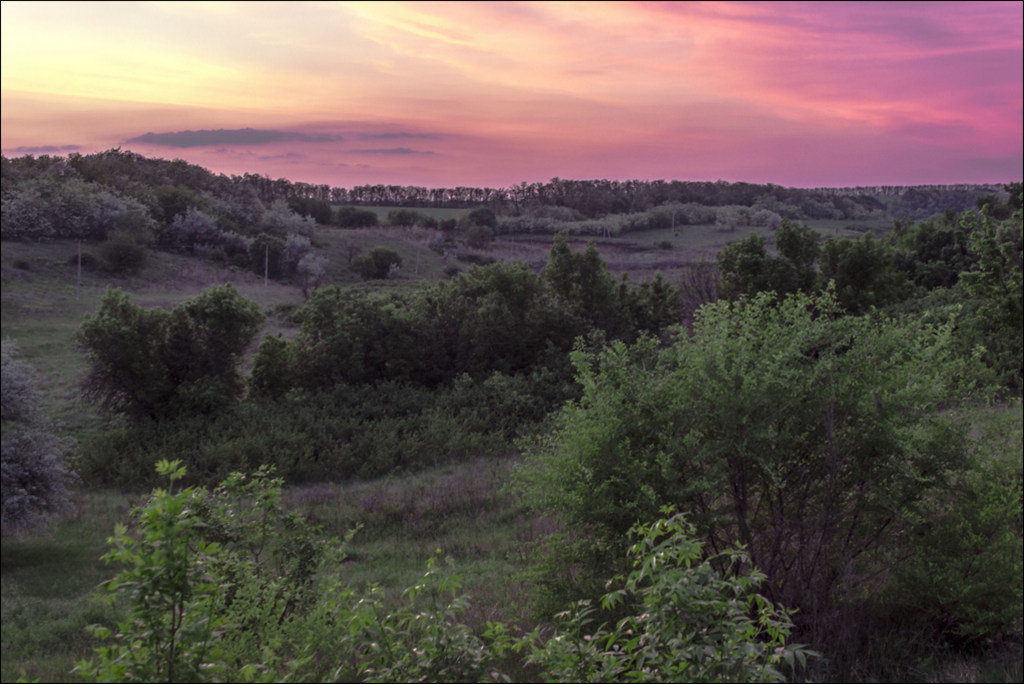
{"x": 808, "y": 437}
{"x": 407, "y": 218}
{"x": 123, "y": 254}
{"x": 376, "y": 264}
{"x": 351, "y": 217}
{"x": 963, "y": 572}
{"x": 205, "y": 569}
{"x": 35, "y": 476}
{"x": 154, "y": 363}
{"x": 225, "y": 586}
{"x": 689, "y": 617}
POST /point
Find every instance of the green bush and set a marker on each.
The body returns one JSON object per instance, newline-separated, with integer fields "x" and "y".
{"x": 351, "y": 217}
{"x": 227, "y": 586}
{"x": 205, "y": 574}
{"x": 122, "y": 254}
{"x": 155, "y": 363}
{"x": 964, "y": 564}
{"x": 809, "y": 437}
{"x": 346, "y": 432}
{"x": 376, "y": 264}
{"x": 689, "y": 617}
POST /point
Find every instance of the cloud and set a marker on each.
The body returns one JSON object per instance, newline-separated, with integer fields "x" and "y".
{"x": 287, "y": 156}
{"x": 41, "y": 149}
{"x": 237, "y": 136}
{"x": 391, "y": 150}
{"x": 400, "y": 135}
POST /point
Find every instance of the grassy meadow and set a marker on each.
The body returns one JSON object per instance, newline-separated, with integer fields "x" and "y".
{"x": 462, "y": 510}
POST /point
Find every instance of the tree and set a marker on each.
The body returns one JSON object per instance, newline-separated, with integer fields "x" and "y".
{"x": 266, "y": 255}
{"x": 807, "y": 436}
{"x": 351, "y": 217}
{"x": 311, "y": 272}
{"x": 123, "y": 254}
{"x": 864, "y": 272}
{"x": 585, "y": 287}
{"x": 997, "y": 284}
{"x": 747, "y": 268}
{"x": 35, "y": 476}
{"x": 158, "y": 364}
{"x": 377, "y": 263}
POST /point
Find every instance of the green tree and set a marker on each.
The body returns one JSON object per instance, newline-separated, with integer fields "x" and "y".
{"x": 582, "y": 283}
{"x": 864, "y": 272}
{"x": 377, "y": 263}
{"x": 123, "y": 254}
{"x": 156, "y": 363}
{"x": 266, "y": 255}
{"x": 805, "y": 435}
{"x": 747, "y": 268}
{"x": 997, "y": 284}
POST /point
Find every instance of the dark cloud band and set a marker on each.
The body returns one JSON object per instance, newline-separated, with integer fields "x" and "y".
{"x": 391, "y": 150}
{"x": 221, "y": 136}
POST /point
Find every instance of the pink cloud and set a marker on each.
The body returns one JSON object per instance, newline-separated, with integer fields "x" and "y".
{"x": 497, "y": 93}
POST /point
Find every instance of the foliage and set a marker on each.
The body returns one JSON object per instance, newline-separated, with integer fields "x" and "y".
{"x": 204, "y": 566}
{"x": 316, "y": 209}
{"x": 747, "y": 268}
{"x": 311, "y": 272}
{"x": 267, "y": 255}
{"x": 35, "y": 476}
{"x": 997, "y": 284}
{"x": 965, "y": 570}
{"x": 156, "y": 363}
{"x": 688, "y": 618}
{"x": 193, "y": 231}
{"x": 406, "y": 218}
{"x": 273, "y": 369}
{"x": 351, "y": 217}
{"x": 807, "y": 436}
{"x": 123, "y": 254}
{"x": 227, "y": 585}
{"x": 349, "y": 431}
{"x": 864, "y": 272}
{"x": 376, "y": 264}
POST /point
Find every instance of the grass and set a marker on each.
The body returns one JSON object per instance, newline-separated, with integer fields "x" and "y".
{"x": 458, "y": 511}
{"x": 47, "y": 590}
{"x": 49, "y": 579}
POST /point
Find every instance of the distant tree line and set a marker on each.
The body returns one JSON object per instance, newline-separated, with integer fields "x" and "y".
{"x": 169, "y": 187}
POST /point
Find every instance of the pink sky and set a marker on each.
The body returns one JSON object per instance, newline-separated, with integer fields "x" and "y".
{"x": 444, "y": 94}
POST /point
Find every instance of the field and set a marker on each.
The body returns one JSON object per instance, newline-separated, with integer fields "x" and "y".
{"x": 462, "y": 510}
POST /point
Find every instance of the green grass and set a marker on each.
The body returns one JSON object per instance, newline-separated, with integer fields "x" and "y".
{"x": 47, "y": 590}
{"x": 460, "y": 510}
{"x": 43, "y": 309}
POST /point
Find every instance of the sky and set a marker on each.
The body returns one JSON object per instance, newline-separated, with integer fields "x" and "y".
{"x": 497, "y": 93}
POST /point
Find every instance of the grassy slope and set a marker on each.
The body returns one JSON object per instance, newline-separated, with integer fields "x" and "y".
{"x": 48, "y": 579}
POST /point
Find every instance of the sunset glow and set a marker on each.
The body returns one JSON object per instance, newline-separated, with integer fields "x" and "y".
{"x": 444, "y": 94}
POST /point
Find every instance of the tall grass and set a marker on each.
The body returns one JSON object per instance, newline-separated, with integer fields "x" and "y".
{"x": 461, "y": 510}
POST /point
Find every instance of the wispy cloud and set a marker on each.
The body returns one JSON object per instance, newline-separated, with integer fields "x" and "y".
{"x": 41, "y": 149}
{"x": 238, "y": 136}
{"x": 401, "y": 135}
{"x": 496, "y": 93}
{"x": 391, "y": 150}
